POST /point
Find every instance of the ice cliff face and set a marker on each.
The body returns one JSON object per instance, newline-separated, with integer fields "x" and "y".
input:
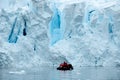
{"x": 90, "y": 33}
{"x": 84, "y": 33}
{"x": 24, "y": 38}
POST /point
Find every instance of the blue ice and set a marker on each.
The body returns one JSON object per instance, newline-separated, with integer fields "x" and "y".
{"x": 55, "y": 24}
{"x": 13, "y": 37}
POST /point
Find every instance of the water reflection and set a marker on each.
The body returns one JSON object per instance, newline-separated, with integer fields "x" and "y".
{"x": 50, "y": 73}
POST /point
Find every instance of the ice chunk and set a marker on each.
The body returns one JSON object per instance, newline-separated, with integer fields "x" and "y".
{"x": 17, "y": 72}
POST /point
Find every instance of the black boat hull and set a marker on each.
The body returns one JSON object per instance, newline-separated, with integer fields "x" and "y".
{"x": 69, "y": 67}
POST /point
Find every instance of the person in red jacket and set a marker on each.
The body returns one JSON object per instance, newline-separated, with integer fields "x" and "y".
{"x": 63, "y": 64}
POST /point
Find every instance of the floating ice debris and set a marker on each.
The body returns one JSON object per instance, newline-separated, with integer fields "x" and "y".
{"x": 17, "y": 72}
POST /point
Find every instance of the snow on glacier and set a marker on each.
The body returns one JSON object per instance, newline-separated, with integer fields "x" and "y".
{"x": 45, "y": 32}
{"x": 90, "y": 34}
{"x": 31, "y": 49}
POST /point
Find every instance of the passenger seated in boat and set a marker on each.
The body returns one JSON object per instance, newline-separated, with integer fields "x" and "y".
{"x": 65, "y": 66}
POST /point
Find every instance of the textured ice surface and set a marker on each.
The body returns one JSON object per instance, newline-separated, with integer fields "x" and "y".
{"x": 24, "y": 35}
{"x": 45, "y": 32}
{"x": 90, "y": 32}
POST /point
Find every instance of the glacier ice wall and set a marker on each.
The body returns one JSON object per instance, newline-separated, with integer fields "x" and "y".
{"x": 24, "y": 36}
{"x": 45, "y": 32}
{"x": 91, "y": 33}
